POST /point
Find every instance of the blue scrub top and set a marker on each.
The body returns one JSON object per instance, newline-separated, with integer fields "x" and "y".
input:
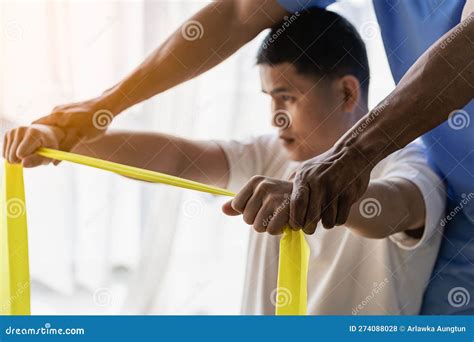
{"x": 408, "y": 28}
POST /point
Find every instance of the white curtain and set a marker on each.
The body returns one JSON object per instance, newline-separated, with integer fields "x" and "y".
{"x": 102, "y": 244}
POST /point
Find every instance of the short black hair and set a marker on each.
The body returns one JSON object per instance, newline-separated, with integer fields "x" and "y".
{"x": 317, "y": 42}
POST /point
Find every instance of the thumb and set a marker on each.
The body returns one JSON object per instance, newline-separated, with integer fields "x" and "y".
{"x": 228, "y": 210}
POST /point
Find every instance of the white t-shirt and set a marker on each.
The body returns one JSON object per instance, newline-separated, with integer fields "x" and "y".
{"x": 348, "y": 274}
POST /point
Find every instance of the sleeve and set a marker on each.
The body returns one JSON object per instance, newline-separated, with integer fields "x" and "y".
{"x": 411, "y": 163}
{"x": 299, "y": 5}
{"x": 254, "y": 156}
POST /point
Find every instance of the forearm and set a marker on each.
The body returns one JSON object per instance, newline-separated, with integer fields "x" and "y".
{"x": 441, "y": 81}
{"x": 202, "y": 42}
{"x": 201, "y": 161}
{"x": 386, "y": 208}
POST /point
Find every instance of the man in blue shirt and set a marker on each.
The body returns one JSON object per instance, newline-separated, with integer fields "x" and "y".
{"x": 432, "y": 87}
{"x": 408, "y": 29}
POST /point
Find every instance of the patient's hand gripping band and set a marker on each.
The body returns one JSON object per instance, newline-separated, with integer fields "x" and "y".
{"x": 291, "y": 291}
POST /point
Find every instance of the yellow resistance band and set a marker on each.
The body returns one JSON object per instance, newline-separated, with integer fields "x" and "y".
{"x": 291, "y": 292}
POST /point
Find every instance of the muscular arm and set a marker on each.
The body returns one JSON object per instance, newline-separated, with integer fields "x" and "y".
{"x": 225, "y": 26}
{"x": 222, "y": 27}
{"x": 441, "y": 81}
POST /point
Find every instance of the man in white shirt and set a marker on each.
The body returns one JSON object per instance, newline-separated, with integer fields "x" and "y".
{"x": 314, "y": 67}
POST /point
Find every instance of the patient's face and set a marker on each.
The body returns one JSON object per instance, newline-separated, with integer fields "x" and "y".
{"x": 308, "y": 112}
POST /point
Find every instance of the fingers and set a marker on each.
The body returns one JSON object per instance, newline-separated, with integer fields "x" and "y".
{"x": 228, "y": 210}
{"x": 343, "y": 210}
{"x": 6, "y": 142}
{"x": 277, "y": 222}
{"x": 20, "y": 145}
{"x": 313, "y": 214}
{"x": 35, "y": 160}
{"x": 328, "y": 217}
{"x": 28, "y": 145}
{"x": 264, "y": 216}
{"x": 298, "y": 204}
{"x": 16, "y": 137}
{"x": 240, "y": 201}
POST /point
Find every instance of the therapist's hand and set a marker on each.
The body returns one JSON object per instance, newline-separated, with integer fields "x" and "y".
{"x": 326, "y": 186}
{"x": 81, "y": 121}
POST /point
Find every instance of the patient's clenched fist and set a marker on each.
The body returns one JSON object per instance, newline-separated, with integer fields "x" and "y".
{"x": 20, "y": 144}
{"x": 264, "y": 203}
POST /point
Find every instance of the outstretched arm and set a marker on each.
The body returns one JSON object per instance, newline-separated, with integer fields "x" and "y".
{"x": 201, "y": 161}
{"x": 264, "y": 203}
{"x": 203, "y": 41}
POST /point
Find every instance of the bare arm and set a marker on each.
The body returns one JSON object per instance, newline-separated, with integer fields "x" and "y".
{"x": 222, "y": 27}
{"x": 388, "y": 207}
{"x": 440, "y": 82}
{"x": 201, "y": 161}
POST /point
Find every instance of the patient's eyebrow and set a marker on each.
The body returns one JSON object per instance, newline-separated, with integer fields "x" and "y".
{"x": 276, "y": 90}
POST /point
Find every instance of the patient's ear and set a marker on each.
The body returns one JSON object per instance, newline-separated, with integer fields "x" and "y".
{"x": 350, "y": 87}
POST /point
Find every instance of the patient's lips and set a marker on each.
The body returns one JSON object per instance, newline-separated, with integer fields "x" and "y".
{"x": 287, "y": 141}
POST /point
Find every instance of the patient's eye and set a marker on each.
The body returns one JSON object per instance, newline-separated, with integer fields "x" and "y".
{"x": 287, "y": 98}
